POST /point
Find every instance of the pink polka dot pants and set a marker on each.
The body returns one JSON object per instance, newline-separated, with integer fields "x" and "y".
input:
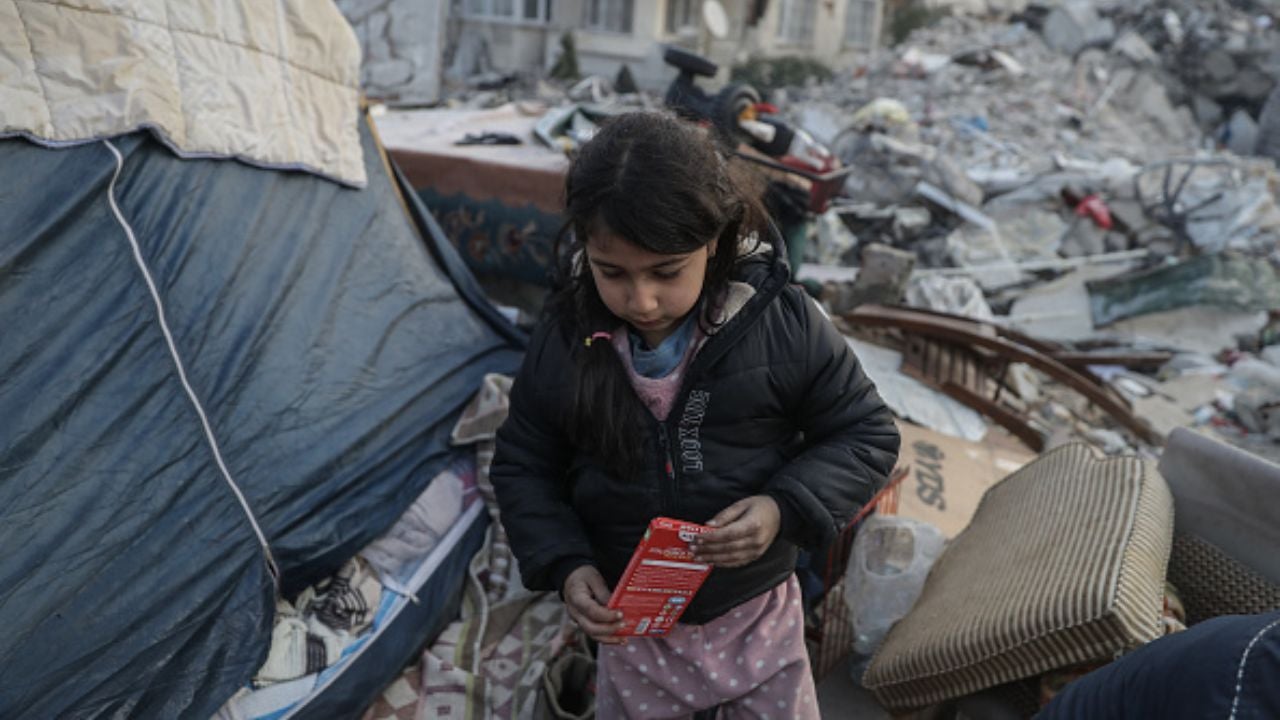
{"x": 751, "y": 661}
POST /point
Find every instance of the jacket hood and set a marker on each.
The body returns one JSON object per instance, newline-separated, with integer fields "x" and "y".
{"x": 760, "y": 275}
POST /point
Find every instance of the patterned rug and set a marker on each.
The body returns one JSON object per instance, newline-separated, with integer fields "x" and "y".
{"x": 489, "y": 663}
{"x": 400, "y": 700}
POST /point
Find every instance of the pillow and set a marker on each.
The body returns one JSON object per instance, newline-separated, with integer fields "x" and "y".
{"x": 1063, "y": 564}
{"x": 1225, "y": 496}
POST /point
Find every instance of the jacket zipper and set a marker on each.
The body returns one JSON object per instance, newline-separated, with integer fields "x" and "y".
{"x": 669, "y": 472}
{"x": 671, "y": 484}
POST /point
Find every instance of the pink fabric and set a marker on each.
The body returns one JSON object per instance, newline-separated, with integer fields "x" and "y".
{"x": 657, "y": 394}
{"x": 751, "y": 661}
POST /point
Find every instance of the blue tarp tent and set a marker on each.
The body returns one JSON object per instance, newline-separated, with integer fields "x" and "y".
{"x": 207, "y": 368}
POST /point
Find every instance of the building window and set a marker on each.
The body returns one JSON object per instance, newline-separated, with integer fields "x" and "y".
{"x": 861, "y": 23}
{"x": 537, "y": 10}
{"x": 609, "y": 15}
{"x": 681, "y": 14}
{"x": 795, "y": 21}
{"x": 518, "y": 10}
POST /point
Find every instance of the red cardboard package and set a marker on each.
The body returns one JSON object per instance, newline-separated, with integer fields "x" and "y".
{"x": 661, "y": 579}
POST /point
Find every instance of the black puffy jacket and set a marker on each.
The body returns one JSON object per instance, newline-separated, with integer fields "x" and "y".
{"x": 774, "y": 403}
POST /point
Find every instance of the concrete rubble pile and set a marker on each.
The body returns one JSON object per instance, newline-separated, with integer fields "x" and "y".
{"x": 1219, "y": 58}
{"x": 1090, "y": 177}
{"x": 1056, "y": 175}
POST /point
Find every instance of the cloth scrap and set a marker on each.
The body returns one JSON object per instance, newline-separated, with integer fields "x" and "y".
{"x": 394, "y": 555}
{"x": 311, "y": 632}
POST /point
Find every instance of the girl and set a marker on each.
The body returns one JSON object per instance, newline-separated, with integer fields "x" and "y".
{"x": 678, "y": 374}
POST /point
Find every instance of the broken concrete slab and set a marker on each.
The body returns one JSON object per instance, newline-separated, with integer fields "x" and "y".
{"x": 911, "y": 399}
{"x": 1268, "y": 144}
{"x": 1222, "y": 281}
{"x": 991, "y": 247}
{"x": 909, "y": 222}
{"x": 883, "y": 276}
{"x": 1173, "y": 403}
{"x": 1083, "y": 239}
{"x": 929, "y": 165}
{"x": 1219, "y": 65}
{"x": 1031, "y": 232}
{"x": 1059, "y": 310}
{"x": 1134, "y": 48}
{"x": 1244, "y": 218}
{"x": 388, "y": 73}
{"x": 1240, "y": 134}
{"x": 998, "y": 180}
{"x": 1197, "y": 329}
{"x": 1251, "y": 372}
{"x": 1145, "y": 93}
{"x": 957, "y": 205}
{"x": 835, "y": 240}
{"x": 890, "y": 170}
{"x": 1190, "y": 391}
{"x": 954, "y": 295}
{"x": 1252, "y": 84}
{"x": 1207, "y": 112}
{"x": 1259, "y": 411}
{"x": 1256, "y": 403}
{"x": 983, "y": 253}
{"x": 1075, "y": 24}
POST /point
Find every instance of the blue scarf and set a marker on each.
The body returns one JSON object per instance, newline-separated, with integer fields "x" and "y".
{"x": 660, "y": 361}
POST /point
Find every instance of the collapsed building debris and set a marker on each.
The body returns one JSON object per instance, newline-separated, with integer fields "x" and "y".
{"x": 971, "y": 361}
{"x": 1073, "y": 172}
{"x": 1201, "y": 280}
{"x": 1066, "y": 174}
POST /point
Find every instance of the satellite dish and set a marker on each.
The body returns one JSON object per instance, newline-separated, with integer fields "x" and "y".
{"x": 715, "y": 19}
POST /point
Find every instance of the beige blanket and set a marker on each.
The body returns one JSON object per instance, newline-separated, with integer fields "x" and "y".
{"x": 274, "y": 84}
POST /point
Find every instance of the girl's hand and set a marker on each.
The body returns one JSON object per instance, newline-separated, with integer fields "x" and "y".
{"x": 744, "y": 531}
{"x": 586, "y": 597}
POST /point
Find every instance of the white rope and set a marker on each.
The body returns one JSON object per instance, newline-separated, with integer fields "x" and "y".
{"x": 182, "y": 373}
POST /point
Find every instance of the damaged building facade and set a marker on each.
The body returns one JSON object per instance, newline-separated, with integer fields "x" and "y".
{"x": 610, "y": 33}
{"x": 410, "y": 45}
{"x": 402, "y": 46}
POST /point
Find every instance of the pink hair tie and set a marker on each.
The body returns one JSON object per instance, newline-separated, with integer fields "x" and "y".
{"x": 597, "y": 336}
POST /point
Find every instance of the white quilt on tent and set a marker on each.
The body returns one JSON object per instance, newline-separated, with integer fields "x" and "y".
{"x": 274, "y": 83}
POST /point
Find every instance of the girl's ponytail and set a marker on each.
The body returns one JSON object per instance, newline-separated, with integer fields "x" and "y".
{"x": 606, "y": 417}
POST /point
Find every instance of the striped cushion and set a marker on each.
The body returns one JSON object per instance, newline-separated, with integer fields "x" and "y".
{"x": 1063, "y": 563}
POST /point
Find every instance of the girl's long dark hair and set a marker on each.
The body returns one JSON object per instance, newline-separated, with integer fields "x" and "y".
{"x": 667, "y": 187}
